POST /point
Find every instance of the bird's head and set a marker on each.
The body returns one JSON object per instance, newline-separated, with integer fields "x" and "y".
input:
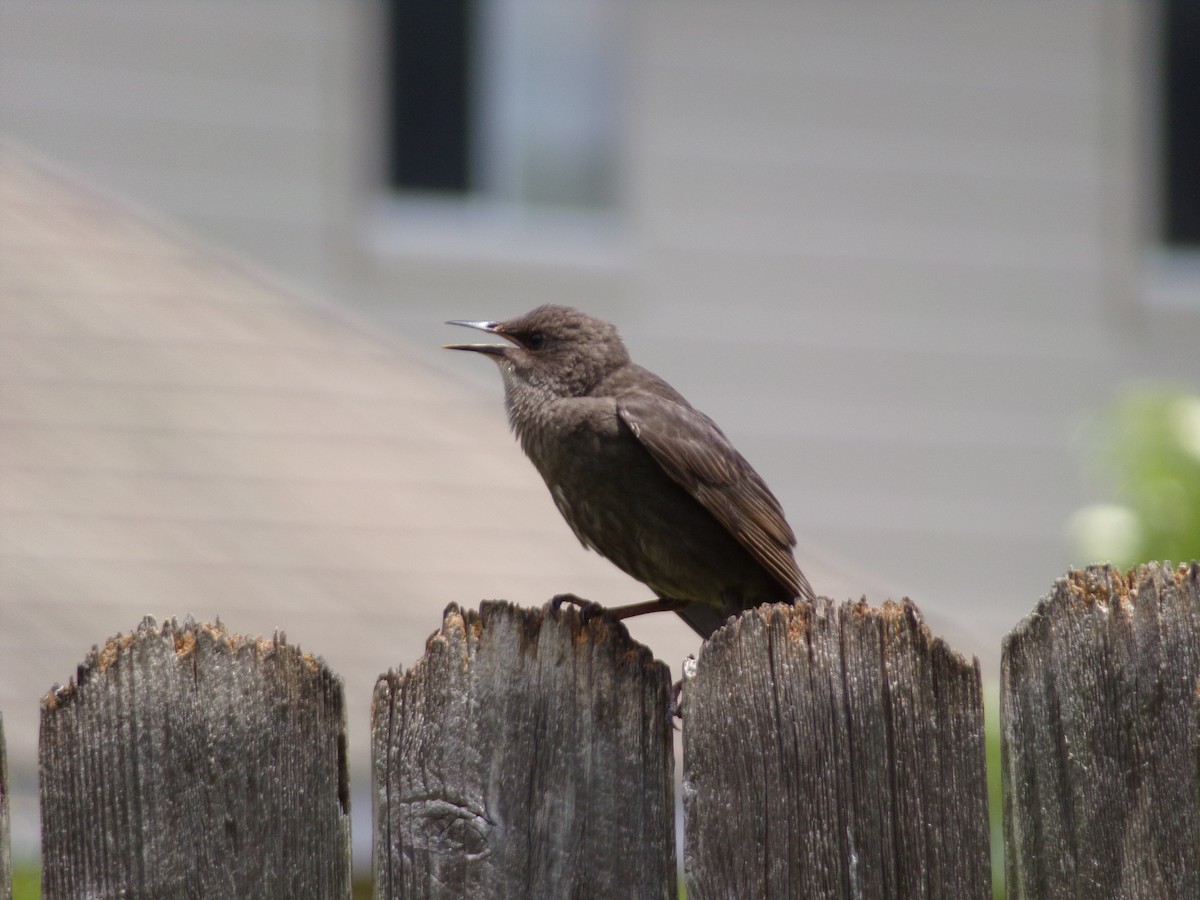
{"x": 555, "y": 350}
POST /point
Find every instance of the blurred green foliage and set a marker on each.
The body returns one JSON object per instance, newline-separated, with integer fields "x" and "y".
{"x": 991, "y": 730}
{"x": 1147, "y": 453}
{"x": 26, "y": 881}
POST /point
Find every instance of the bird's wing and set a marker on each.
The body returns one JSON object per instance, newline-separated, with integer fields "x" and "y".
{"x": 697, "y": 455}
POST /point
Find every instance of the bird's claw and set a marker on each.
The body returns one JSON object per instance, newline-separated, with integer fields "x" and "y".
{"x": 588, "y": 609}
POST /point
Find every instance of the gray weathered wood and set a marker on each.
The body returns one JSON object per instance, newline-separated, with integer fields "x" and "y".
{"x": 5, "y": 854}
{"x": 184, "y": 761}
{"x": 1100, "y": 742}
{"x": 833, "y": 751}
{"x": 524, "y": 755}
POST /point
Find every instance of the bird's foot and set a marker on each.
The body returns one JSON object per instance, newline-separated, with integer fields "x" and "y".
{"x": 588, "y": 609}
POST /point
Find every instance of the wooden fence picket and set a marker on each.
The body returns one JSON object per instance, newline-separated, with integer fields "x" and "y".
{"x": 1101, "y": 758}
{"x": 186, "y": 762}
{"x": 526, "y": 755}
{"x": 834, "y": 751}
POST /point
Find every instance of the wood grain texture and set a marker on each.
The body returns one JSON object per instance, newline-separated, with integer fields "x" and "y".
{"x": 1100, "y": 753}
{"x": 184, "y": 761}
{"x": 833, "y": 751}
{"x": 525, "y": 755}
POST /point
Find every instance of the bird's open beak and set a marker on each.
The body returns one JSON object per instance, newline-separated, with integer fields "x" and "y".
{"x": 489, "y": 327}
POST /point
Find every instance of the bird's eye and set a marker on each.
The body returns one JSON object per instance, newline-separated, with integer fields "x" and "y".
{"x": 535, "y": 341}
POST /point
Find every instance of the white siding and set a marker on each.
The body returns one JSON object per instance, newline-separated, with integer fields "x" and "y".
{"x": 219, "y": 113}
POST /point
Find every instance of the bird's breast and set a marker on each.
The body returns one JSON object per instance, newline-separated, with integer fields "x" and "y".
{"x": 568, "y": 510}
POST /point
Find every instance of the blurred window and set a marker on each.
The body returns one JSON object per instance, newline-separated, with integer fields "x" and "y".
{"x": 512, "y": 102}
{"x": 1181, "y": 124}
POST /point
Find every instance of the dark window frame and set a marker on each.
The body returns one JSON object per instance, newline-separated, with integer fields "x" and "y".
{"x": 430, "y": 70}
{"x": 1179, "y": 225}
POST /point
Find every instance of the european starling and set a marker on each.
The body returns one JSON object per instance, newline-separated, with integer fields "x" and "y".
{"x": 640, "y": 475}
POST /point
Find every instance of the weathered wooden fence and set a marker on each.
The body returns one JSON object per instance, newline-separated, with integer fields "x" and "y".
{"x": 828, "y": 751}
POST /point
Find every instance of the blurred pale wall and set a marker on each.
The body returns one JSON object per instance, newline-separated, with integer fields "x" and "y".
{"x": 895, "y": 249}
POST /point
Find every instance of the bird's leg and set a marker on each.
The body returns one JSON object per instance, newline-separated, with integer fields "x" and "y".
{"x": 589, "y": 609}
{"x": 659, "y": 604}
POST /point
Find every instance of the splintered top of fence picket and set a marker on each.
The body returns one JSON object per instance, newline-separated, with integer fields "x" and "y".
{"x": 465, "y": 627}
{"x": 1098, "y": 589}
{"x": 899, "y": 622}
{"x": 185, "y": 639}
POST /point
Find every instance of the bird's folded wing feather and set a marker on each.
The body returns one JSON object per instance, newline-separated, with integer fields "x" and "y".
{"x": 694, "y": 452}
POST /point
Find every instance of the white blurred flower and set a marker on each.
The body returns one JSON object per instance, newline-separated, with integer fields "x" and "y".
{"x": 1105, "y": 531}
{"x": 1185, "y": 422}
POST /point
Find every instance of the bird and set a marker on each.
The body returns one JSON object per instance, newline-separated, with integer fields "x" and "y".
{"x": 640, "y": 475}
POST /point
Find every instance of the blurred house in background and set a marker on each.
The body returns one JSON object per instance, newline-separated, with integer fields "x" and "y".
{"x": 898, "y": 250}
